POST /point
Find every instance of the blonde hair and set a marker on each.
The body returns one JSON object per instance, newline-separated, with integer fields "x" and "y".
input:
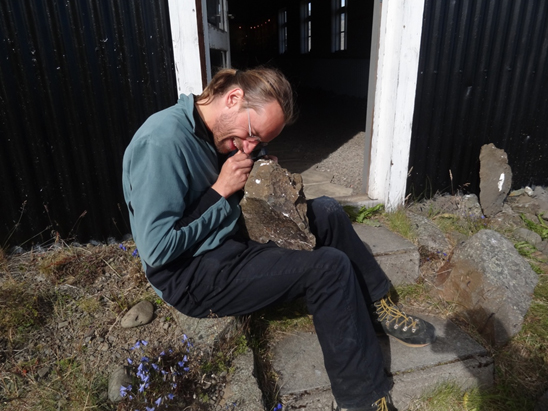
{"x": 261, "y": 85}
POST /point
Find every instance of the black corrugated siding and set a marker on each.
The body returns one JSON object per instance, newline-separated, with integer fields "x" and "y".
{"x": 77, "y": 78}
{"x": 483, "y": 78}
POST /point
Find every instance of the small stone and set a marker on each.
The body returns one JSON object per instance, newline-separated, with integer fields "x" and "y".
{"x": 42, "y": 372}
{"x": 495, "y": 179}
{"x": 139, "y": 314}
{"x": 119, "y": 377}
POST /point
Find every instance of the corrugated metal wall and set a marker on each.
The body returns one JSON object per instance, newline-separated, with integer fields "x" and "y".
{"x": 483, "y": 78}
{"x": 77, "y": 78}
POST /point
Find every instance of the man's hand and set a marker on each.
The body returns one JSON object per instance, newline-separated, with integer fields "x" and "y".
{"x": 233, "y": 175}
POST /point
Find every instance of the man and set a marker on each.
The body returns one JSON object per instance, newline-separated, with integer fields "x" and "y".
{"x": 183, "y": 174}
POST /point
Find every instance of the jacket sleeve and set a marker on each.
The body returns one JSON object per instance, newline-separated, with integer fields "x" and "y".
{"x": 159, "y": 192}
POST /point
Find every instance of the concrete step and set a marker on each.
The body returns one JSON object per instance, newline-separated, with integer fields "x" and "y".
{"x": 397, "y": 256}
{"x": 304, "y": 384}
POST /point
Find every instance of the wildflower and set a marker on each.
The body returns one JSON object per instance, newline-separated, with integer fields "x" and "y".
{"x": 123, "y": 391}
{"x": 135, "y": 253}
{"x": 181, "y": 363}
{"x": 129, "y": 361}
{"x": 137, "y": 345}
{"x": 155, "y": 366}
{"x": 162, "y": 353}
{"x": 170, "y": 396}
{"x": 278, "y": 407}
{"x": 185, "y": 358}
{"x": 122, "y": 247}
{"x": 174, "y": 385}
{"x": 158, "y": 401}
{"x": 150, "y": 408}
{"x": 184, "y": 338}
{"x": 144, "y": 359}
{"x": 141, "y": 387}
{"x": 145, "y": 343}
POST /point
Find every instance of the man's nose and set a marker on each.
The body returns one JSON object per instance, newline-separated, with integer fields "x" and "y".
{"x": 249, "y": 145}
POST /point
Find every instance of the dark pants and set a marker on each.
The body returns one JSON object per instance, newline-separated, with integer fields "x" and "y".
{"x": 338, "y": 279}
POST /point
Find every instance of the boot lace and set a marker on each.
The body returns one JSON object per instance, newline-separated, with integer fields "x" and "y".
{"x": 391, "y": 313}
{"x": 381, "y": 404}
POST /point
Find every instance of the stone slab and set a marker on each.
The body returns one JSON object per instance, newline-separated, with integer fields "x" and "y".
{"x": 328, "y": 189}
{"x": 242, "y": 387}
{"x": 398, "y": 257}
{"x": 316, "y": 177}
{"x": 204, "y": 332}
{"x": 455, "y": 357}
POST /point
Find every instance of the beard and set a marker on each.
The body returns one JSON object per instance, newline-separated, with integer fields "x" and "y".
{"x": 223, "y": 133}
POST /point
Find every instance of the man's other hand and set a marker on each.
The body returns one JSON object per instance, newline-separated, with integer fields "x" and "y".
{"x": 233, "y": 175}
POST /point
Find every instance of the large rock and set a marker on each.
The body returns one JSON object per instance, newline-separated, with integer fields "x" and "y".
{"x": 495, "y": 179}
{"x": 491, "y": 283}
{"x": 274, "y": 207}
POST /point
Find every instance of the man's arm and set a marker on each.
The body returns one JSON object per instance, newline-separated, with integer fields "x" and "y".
{"x": 163, "y": 224}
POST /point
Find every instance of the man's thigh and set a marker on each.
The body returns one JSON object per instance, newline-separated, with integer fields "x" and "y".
{"x": 240, "y": 277}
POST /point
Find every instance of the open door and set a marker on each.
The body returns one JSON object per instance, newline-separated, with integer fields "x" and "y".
{"x": 216, "y": 36}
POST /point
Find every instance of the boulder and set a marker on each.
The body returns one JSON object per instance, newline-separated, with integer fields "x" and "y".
{"x": 274, "y": 207}
{"x": 495, "y": 179}
{"x": 491, "y": 283}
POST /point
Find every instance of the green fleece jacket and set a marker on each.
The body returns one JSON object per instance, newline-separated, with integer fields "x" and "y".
{"x": 168, "y": 171}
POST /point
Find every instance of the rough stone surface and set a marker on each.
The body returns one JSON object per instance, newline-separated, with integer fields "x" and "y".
{"x": 120, "y": 376}
{"x": 274, "y": 207}
{"x": 495, "y": 179}
{"x": 139, "y": 314}
{"x": 205, "y": 332}
{"x": 524, "y": 204}
{"x": 242, "y": 387}
{"x": 304, "y": 384}
{"x": 431, "y": 239}
{"x": 397, "y": 256}
{"x": 492, "y": 284}
{"x": 524, "y": 234}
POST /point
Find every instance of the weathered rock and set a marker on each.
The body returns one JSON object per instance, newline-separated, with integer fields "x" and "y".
{"x": 492, "y": 284}
{"x": 274, "y": 207}
{"x": 506, "y": 220}
{"x": 524, "y": 204}
{"x": 120, "y": 376}
{"x": 139, "y": 314}
{"x": 495, "y": 179}
{"x": 470, "y": 206}
{"x": 531, "y": 237}
{"x": 431, "y": 239}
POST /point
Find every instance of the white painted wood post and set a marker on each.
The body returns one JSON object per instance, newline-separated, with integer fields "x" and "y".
{"x": 186, "y": 47}
{"x": 395, "y": 89}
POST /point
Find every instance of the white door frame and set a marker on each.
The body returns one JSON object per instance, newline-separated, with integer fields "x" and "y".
{"x": 183, "y": 16}
{"x": 396, "y": 38}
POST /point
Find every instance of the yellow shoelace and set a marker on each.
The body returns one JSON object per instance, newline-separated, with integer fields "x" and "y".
{"x": 389, "y": 312}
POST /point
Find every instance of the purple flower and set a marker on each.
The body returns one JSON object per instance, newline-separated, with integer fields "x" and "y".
{"x": 145, "y": 343}
{"x": 150, "y": 408}
{"x": 155, "y": 366}
{"x": 135, "y": 253}
{"x": 123, "y": 391}
{"x": 170, "y": 396}
{"x": 144, "y": 359}
{"x": 158, "y": 401}
{"x": 129, "y": 361}
{"x": 122, "y": 247}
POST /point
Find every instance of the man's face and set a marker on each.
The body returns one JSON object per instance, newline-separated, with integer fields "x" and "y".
{"x": 231, "y": 130}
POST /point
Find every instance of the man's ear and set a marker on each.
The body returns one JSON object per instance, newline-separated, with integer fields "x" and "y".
{"x": 234, "y": 97}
